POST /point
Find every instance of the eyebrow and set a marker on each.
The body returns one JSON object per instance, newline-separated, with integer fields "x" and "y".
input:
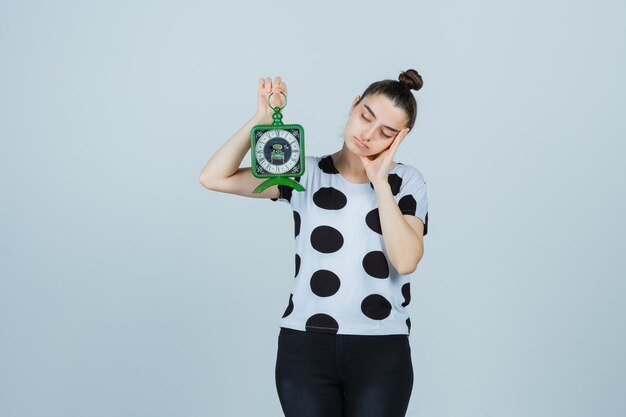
{"x": 370, "y": 110}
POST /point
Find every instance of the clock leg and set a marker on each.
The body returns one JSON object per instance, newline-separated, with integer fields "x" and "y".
{"x": 279, "y": 181}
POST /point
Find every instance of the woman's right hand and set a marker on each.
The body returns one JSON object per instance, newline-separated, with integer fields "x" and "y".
{"x": 264, "y": 111}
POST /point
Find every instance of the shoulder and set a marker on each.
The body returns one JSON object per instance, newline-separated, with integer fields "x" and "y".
{"x": 323, "y": 163}
{"x": 409, "y": 173}
{"x": 311, "y": 159}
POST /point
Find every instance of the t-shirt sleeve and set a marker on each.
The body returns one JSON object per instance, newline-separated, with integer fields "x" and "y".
{"x": 413, "y": 199}
{"x": 285, "y": 192}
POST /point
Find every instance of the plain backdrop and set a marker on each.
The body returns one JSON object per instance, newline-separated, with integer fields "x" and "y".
{"x": 127, "y": 289}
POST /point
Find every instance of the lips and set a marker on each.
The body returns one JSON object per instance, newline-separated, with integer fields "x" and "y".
{"x": 360, "y": 144}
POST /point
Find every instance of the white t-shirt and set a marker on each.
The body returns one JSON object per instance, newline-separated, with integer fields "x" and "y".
{"x": 343, "y": 280}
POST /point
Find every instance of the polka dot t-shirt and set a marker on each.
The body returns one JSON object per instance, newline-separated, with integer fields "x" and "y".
{"x": 343, "y": 280}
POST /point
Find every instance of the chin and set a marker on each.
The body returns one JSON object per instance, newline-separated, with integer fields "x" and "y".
{"x": 358, "y": 151}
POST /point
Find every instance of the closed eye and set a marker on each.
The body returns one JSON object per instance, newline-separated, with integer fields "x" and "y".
{"x": 388, "y": 137}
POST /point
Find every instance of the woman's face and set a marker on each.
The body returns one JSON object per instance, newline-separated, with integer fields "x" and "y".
{"x": 375, "y": 122}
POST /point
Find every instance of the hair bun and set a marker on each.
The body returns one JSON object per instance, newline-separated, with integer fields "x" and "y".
{"x": 411, "y": 79}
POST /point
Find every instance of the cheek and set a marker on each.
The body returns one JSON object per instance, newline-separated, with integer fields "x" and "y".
{"x": 356, "y": 120}
{"x": 354, "y": 123}
{"x": 353, "y": 129}
{"x": 378, "y": 149}
{"x": 386, "y": 146}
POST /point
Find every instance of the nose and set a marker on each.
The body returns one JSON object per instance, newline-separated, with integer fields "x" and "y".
{"x": 367, "y": 134}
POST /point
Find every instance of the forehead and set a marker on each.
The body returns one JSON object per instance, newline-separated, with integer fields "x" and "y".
{"x": 384, "y": 110}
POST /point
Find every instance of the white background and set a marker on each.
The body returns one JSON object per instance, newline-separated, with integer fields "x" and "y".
{"x": 127, "y": 289}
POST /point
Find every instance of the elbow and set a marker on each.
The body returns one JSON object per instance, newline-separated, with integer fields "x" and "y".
{"x": 205, "y": 183}
{"x": 409, "y": 268}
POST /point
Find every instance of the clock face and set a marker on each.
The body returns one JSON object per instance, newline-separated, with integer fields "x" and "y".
{"x": 277, "y": 151}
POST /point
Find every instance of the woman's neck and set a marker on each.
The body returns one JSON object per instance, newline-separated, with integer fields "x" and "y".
{"x": 349, "y": 164}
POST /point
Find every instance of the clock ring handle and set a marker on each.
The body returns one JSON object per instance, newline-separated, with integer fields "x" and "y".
{"x": 270, "y": 104}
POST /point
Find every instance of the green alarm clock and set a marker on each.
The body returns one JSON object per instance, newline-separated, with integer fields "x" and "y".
{"x": 277, "y": 151}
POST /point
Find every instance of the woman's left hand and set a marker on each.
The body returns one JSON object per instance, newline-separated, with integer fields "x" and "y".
{"x": 377, "y": 169}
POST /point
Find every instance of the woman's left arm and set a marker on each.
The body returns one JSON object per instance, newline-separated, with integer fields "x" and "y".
{"x": 402, "y": 234}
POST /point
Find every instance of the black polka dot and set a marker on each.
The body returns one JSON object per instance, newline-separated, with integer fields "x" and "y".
{"x": 327, "y": 166}
{"x": 408, "y": 324}
{"x": 406, "y": 293}
{"x": 289, "y": 307}
{"x": 324, "y": 283}
{"x": 285, "y": 191}
{"x": 326, "y": 239}
{"x": 426, "y": 224}
{"x": 375, "y": 264}
{"x": 407, "y": 204}
{"x": 372, "y": 219}
{"x": 322, "y": 323}
{"x": 297, "y": 264}
{"x": 296, "y": 223}
{"x": 395, "y": 181}
{"x": 329, "y": 198}
{"x": 376, "y": 307}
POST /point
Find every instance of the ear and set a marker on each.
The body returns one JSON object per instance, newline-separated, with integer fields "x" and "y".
{"x": 354, "y": 102}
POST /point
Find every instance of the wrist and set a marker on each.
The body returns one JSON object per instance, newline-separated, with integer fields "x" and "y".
{"x": 380, "y": 184}
{"x": 260, "y": 118}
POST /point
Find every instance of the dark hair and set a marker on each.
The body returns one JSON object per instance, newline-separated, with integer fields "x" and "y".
{"x": 399, "y": 92}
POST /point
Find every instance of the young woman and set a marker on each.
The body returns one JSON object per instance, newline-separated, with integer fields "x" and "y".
{"x": 343, "y": 345}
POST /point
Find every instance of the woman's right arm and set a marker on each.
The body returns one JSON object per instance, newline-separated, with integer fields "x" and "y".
{"x": 222, "y": 172}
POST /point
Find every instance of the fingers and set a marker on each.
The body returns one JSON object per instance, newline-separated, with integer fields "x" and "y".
{"x": 278, "y": 86}
{"x": 402, "y": 134}
{"x": 263, "y": 84}
{"x": 399, "y": 138}
{"x": 404, "y": 131}
{"x": 268, "y": 85}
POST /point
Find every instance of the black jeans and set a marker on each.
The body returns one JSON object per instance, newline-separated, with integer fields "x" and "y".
{"x": 342, "y": 375}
